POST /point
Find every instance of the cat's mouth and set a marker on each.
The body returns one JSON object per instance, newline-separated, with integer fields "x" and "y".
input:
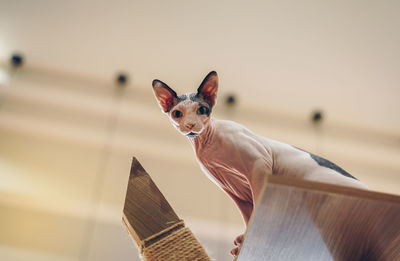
{"x": 192, "y": 134}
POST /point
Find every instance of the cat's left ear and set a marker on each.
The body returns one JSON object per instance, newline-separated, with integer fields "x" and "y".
{"x": 166, "y": 97}
{"x": 208, "y": 88}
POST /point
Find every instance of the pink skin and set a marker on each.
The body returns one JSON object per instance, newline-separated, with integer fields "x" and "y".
{"x": 233, "y": 157}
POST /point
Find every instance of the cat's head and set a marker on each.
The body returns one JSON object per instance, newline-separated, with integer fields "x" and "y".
{"x": 188, "y": 113}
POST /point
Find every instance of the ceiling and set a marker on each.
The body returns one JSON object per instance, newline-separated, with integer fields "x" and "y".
{"x": 287, "y": 57}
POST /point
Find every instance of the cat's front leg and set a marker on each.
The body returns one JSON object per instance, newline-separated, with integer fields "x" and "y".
{"x": 246, "y": 209}
{"x": 255, "y": 163}
{"x": 256, "y": 178}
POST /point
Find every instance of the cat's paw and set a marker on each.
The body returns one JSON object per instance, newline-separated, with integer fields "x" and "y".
{"x": 235, "y": 251}
{"x": 238, "y": 242}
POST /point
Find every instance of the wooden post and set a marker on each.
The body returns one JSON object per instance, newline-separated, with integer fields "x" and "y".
{"x": 304, "y": 220}
{"x": 153, "y": 224}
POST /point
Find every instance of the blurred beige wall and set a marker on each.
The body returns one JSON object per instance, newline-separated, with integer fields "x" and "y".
{"x": 67, "y": 132}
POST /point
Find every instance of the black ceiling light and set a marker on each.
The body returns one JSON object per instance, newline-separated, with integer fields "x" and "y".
{"x": 230, "y": 100}
{"x": 317, "y": 116}
{"x": 17, "y": 60}
{"x": 121, "y": 79}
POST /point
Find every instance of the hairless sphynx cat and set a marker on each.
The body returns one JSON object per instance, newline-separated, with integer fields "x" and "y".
{"x": 233, "y": 157}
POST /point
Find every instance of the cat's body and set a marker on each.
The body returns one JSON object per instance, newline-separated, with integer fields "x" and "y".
{"x": 238, "y": 161}
{"x": 235, "y": 158}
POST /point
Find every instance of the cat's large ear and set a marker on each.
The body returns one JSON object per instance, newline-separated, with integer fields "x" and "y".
{"x": 208, "y": 88}
{"x": 166, "y": 97}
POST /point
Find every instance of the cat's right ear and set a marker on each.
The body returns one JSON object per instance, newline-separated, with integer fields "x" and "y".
{"x": 166, "y": 97}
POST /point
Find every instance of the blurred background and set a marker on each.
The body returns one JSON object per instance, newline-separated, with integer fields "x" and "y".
{"x": 76, "y": 104}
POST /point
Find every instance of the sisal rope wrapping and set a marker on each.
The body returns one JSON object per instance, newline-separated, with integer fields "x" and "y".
{"x": 179, "y": 245}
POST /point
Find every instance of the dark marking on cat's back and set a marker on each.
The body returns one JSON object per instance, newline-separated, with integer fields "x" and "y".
{"x": 328, "y": 164}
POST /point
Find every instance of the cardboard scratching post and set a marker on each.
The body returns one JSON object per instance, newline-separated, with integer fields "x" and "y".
{"x": 153, "y": 224}
{"x": 303, "y": 220}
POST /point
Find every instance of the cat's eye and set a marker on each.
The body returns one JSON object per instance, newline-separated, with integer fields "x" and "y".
{"x": 177, "y": 114}
{"x": 202, "y": 110}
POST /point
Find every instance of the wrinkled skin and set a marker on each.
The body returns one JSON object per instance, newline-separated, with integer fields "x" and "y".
{"x": 233, "y": 157}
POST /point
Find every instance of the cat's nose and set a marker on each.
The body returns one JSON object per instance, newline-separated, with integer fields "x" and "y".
{"x": 190, "y": 125}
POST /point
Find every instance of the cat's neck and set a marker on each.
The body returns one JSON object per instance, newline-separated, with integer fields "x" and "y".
{"x": 205, "y": 137}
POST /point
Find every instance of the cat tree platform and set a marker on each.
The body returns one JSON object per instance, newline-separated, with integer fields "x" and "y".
{"x": 303, "y": 220}
{"x": 294, "y": 220}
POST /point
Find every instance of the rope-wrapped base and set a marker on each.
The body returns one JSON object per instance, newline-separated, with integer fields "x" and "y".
{"x": 179, "y": 245}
